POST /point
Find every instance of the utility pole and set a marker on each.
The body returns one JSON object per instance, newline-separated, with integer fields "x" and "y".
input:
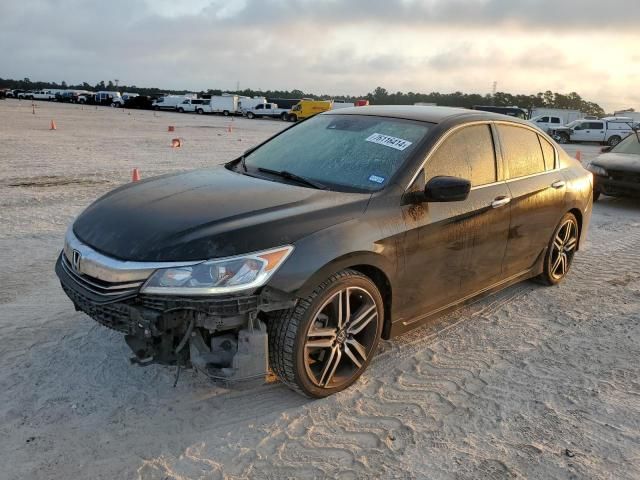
{"x": 493, "y": 93}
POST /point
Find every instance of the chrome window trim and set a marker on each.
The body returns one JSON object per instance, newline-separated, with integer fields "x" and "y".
{"x": 102, "y": 267}
{"x": 487, "y": 122}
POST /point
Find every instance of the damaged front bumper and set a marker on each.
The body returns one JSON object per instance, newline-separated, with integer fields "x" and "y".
{"x": 222, "y": 336}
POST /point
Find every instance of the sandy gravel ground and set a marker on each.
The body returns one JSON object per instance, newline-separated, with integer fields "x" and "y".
{"x": 534, "y": 382}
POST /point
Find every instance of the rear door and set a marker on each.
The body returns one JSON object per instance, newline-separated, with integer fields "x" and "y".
{"x": 595, "y": 132}
{"x": 456, "y": 248}
{"x": 537, "y": 190}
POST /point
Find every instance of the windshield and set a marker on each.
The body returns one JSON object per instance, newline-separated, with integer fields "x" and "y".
{"x": 630, "y": 145}
{"x": 343, "y": 152}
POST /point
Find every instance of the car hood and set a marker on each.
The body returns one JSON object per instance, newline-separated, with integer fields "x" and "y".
{"x": 619, "y": 161}
{"x": 208, "y": 213}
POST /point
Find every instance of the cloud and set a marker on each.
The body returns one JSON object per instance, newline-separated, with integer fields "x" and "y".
{"x": 329, "y": 46}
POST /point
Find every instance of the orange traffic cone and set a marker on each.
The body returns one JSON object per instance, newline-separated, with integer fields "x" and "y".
{"x": 135, "y": 175}
{"x": 52, "y": 126}
{"x": 579, "y": 156}
{"x": 176, "y": 143}
{"x": 171, "y": 128}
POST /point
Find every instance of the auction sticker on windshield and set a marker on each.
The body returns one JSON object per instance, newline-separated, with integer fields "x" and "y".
{"x": 388, "y": 141}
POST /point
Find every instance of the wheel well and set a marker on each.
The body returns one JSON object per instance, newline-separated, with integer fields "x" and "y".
{"x": 384, "y": 286}
{"x": 578, "y": 214}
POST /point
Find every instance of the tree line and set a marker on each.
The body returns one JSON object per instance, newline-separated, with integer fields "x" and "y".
{"x": 379, "y": 96}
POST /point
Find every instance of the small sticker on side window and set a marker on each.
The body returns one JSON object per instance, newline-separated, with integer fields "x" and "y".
{"x": 389, "y": 141}
{"x": 376, "y": 179}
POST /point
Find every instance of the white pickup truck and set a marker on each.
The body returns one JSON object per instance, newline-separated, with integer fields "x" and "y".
{"x": 609, "y": 130}
{"x": 268, "y": 110}
{"x": 43, "y": 95}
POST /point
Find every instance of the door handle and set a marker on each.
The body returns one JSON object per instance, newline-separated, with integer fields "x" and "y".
{"x": 500, "y": 202}
{"x": 558, "y": 184}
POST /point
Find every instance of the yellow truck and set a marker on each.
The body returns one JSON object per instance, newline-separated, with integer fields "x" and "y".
{"x": 306, "y": 108}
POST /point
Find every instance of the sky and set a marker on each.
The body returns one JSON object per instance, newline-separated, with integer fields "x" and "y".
{"x": 332, "y": 46}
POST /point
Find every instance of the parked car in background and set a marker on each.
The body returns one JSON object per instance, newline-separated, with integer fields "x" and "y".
{"x": 14, "y": 93}
{"x": 287, "y": 103}
{"x": 142, "y": 102}
{"x": 43, "y": 95}
{"x": 118, "y": 102}
{"x": 306, "y": 108}
{"x": 356, "y": 225}
{"x": 170, "y": 102}
{"x": 341, "y": 104}
{"x": 268, "y": 110}
{"x": 617, "y": 171}
{"x": 190, "y": 105}
{"x": 26, "y": 95}
{"x": 102, "y": 97}
{"x": 565, "y": 115}
{"x": 609, "y": 130}
{"x": 547, "y": 122}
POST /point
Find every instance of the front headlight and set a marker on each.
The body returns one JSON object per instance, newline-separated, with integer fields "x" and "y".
{"x": 596, "y": 169}
{"x": 225, "y": 275}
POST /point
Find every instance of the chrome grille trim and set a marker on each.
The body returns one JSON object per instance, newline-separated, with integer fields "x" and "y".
{"x": 107, "y": 269}
{"x": 91, "y": 285}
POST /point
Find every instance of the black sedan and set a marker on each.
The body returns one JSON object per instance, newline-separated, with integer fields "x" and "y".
{"x": 352, "y": 226}
{"x": 617, "y": 171}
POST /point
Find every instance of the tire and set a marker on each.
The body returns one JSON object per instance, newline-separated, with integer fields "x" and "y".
{"x": 180, "y": 110}
{"x": 561, "y": 244}
{"x": 615, "y": 140}
{"x": 596, "y": 195}
{"x": 200, "y": 111}
{"x": 250, "y": 115}
{"x": 225, "y": 113}
{"x": 321, "y": 370}
{"x": 293, "y": 117}
{"x": 284, "y": 117}
{"x": 562, "y": 138}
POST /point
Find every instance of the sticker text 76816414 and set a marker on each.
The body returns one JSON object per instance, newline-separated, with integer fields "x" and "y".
{"x": 389, "y": 141}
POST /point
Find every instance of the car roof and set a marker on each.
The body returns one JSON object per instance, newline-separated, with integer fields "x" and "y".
{"x": 423, "y": 113}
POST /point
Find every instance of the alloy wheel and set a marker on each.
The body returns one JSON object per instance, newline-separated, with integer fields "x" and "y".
{"x": 341, "y": 337}
{"x": 563, "y": 248}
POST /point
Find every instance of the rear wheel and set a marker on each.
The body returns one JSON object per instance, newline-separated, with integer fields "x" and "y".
{"x": 225, "y": 113}
{"x": 562, "y": 248}
{"x": 199, "y": 111}
{"x": 613, "y": 141}
{"x": 326, "y": 342}
{"x": 284, "y": 116}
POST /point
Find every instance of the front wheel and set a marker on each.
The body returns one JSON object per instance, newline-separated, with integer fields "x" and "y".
{"x": 326, "y": 342}
{"x": 562, "y": 138}
{"x": 561, "y": 250}
{"x": 250, "y": 115}
{"x": 180, "y": 110}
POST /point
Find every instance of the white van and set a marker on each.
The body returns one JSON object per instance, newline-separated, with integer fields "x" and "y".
{"x": 169, "y": 102}
{"x": 190, "y": 105}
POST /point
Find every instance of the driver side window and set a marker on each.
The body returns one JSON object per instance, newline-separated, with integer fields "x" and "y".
{"x": 467, "y": 153}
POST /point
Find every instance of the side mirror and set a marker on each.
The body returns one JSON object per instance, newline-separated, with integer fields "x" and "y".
{"x": 447, "y": 189}
{"x": 606, "y": 149}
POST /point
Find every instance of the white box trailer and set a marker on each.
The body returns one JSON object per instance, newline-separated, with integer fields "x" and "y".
{"x": 224, "y": 104}
{"x": 248, "y": 103}
{"x": 565, "y": 115}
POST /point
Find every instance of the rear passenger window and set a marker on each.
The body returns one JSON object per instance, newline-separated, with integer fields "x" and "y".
{"x": 467, "y": 153}
{"x": 521, "y": 150}
{"x": 555, "y": 120}
{"x": 548, "y": 152}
